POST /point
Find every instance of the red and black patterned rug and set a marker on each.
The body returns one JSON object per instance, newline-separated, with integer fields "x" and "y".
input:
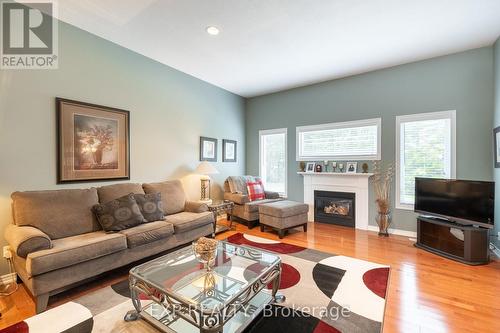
{"x": 325, "y": 293}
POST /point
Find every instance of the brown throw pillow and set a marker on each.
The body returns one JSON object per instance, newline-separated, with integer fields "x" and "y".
{"x": 119, "y": 214}
{"x": 151, "y": 206}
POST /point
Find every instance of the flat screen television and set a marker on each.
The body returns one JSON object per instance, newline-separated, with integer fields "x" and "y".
{"x": 462, "y": 201}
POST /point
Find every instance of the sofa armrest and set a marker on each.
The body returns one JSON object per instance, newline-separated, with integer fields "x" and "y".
{"x": 271, "y": 195}
{"x": 24, "y": 240}
{"x": 237, "y": 198}
{"x": 195, "y": 207}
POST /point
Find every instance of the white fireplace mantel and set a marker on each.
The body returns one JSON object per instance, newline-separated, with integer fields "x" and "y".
{"x": 356, "y": 183}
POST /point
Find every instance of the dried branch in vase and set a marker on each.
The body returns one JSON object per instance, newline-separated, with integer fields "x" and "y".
{"x": 382, "y": 183}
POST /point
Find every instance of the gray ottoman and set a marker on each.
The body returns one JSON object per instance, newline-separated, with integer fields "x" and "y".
{"x": 283, "y": 215}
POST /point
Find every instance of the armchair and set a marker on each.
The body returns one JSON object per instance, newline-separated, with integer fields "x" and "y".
{"x": 247, "y": 211}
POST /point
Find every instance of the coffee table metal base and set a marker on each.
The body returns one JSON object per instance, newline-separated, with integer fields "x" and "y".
{"x": 165, "y": 321}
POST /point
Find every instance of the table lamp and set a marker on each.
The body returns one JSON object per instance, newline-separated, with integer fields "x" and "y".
{"x": 205, "y": 169}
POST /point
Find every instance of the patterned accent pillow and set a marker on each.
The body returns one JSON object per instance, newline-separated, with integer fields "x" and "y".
{"x": 255, "y": 191}
{"x": 119, "y": 214}
{"x": 151, "y": 206}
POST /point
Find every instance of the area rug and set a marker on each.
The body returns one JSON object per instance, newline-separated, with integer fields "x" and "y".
{"x": 325, "y": 293}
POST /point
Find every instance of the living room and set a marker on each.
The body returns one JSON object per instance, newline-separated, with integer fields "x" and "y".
{"x": 342, "y": 155}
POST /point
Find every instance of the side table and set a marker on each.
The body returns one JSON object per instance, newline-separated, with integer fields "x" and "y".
{"x": 221, "y": 206}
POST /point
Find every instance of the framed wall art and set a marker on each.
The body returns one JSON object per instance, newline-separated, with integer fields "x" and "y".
{"x": 228, "y": 150}
{"x": 208, "y": 149}
{"x": 93, "y": 142}
{"x": 496, "y": 144}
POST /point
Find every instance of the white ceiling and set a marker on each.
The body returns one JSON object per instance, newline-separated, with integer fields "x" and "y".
{"x": 271, "y": 45}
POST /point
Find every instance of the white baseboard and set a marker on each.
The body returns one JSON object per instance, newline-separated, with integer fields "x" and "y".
{"x": 411, "y": 234}
{"x": 8, "y": 278}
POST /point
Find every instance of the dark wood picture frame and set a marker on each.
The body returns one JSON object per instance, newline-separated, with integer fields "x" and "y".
{"x": 225, "y": 158}
{"x": 203, "y": 152}
{"x": 496, "y": 145}
{"x": 67, "y": 114}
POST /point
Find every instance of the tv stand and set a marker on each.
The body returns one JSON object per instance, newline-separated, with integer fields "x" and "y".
{"x": 465, "y": 243}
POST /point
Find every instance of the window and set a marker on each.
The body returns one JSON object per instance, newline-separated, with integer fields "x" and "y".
{"x": 352, "y": 140}
{"x": 273, "y": 155}
{"x": 425, "y": 147}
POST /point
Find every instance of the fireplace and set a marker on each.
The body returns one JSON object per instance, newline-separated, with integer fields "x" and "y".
{"x": 335, "y": 208}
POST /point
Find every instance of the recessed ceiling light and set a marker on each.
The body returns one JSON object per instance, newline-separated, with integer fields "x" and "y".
{"x": 211, "y": 30}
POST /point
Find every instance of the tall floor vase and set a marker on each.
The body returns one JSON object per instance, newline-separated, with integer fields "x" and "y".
{"x": 384, "y": 221}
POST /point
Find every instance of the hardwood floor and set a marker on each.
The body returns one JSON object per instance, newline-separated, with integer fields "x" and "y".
{"x": 426, "y": 293}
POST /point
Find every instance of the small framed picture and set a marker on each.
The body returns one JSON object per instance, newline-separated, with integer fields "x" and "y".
{"x": 208, "y": 149}
{"x": 310, "y": 166}
{"x": 351, "y": 167}
{"x": 228, "y": 150}
{"x": 496, "y": 144}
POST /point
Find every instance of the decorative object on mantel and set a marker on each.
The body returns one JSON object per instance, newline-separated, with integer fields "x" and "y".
{"x": 208, "y": 149}
{"x": 382, "y": 182}
{"x": 365, "y": 167}
{"x": 205, "y": 169}
{"x": 93, "y": 142}
{"x": 302, "y": 166}
{"x": 310, "y": 167}
{"x": 341, "y": 167}
{"x": 352, "y": 167}
{"x": 318, "y": 167}
{"x": 334, "y": 166}
{"x": 326, "y": 166}
{"x": 228, "y": 150}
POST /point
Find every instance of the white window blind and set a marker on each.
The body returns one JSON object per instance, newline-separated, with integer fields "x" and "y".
{"x": 273, "y": 159}
{"x": 354, "y": 140}
{"x": 425, "y": 148}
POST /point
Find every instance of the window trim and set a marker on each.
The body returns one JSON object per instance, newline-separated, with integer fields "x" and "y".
{"x": 275, "y": 131}
{"x": 452, "y": 115}
{"x": 346, "y": 124}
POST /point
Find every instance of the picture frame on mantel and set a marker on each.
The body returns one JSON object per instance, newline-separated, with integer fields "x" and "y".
{"x": 229, "y": 150}
{"x": 496, "y": 144}
{"x": 208, "y": 149}
{"x": 93, "y": 142}
{"x": 310, "y": 167}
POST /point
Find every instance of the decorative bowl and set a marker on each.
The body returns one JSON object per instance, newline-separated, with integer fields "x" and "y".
{"x": 205, "y": 256}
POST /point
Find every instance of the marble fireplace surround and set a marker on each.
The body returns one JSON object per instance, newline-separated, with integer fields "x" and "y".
{"x": 356, "y": 183}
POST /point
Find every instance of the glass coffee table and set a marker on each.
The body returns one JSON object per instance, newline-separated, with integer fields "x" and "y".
{"x": 182, "y": 295}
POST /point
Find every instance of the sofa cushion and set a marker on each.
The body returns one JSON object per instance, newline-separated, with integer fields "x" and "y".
{"x": 172, "y": 195}
{"x": 58, "y": 213}
{"x": 151, "y": 206}
{"x": 283, "y": 208}
{"x": 253, "y": 206}
{"x": 115, "y": 191}
{"x": 147, "y": 233}
{"x": 186, "y": 221}
{"x": 119, "y": 214}
{"x": 73, "y": 250}
{"x": 255, "y": 191}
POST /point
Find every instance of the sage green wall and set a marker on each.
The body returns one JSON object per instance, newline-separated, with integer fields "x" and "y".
{"x": 169, "y": 110}
{"x": 461, "y": 82}
{"x": 496, "y": 49}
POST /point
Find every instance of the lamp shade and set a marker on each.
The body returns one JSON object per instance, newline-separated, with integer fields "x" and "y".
{"x": 205, "y": 168}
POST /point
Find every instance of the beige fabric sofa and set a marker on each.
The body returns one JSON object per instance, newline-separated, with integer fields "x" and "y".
{"x": 235, "y": 190}
{"x": 57, "y": 243}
